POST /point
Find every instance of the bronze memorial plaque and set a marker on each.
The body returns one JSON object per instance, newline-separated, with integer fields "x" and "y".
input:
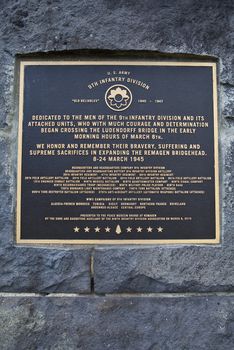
{"x": 118, "y": 152}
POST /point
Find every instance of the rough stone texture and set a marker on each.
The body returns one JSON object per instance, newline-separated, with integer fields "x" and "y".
{"x": 182, "y": 269}
{"x": 176, "y": 268}
{"x": 44, "y": 270}
{"x": 182, "y": 26}
{"x": 227, "y": 101}
{"x": 204, "y": 323}
{"x": 34, "y": 269}
{"x": 173, "y": 28}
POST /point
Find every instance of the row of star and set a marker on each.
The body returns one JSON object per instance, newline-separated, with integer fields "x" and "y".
{"x": 107, "y": 229}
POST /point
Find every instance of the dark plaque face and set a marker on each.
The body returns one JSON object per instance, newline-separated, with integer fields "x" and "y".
{"x": 118, "y": 152}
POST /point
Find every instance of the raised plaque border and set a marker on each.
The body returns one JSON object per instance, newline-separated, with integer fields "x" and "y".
{"x": 25, "y": 63}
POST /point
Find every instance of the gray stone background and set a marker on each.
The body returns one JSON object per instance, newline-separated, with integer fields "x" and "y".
{"x": 133, "y": 298}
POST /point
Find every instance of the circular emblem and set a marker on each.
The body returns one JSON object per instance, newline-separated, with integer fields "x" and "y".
{"x": 118, "y": 97}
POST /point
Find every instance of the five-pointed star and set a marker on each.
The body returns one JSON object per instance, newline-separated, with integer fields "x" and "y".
{"x": 107, "y": 229}
{"x": 97, "y": 229}
{"x": 87, "y": 229}
{"x": 76, "y": 229}
{"x": 129, "y": 229}
{"x": 149, "y": 229}
{"x": 139, "y": 229}
{"x": 160, "y": 229}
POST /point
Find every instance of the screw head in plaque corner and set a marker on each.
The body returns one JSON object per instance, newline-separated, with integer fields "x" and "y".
{"x": 118, "y": 97}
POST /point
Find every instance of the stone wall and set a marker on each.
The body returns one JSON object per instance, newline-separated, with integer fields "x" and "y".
{"x": 127, "y": 297}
